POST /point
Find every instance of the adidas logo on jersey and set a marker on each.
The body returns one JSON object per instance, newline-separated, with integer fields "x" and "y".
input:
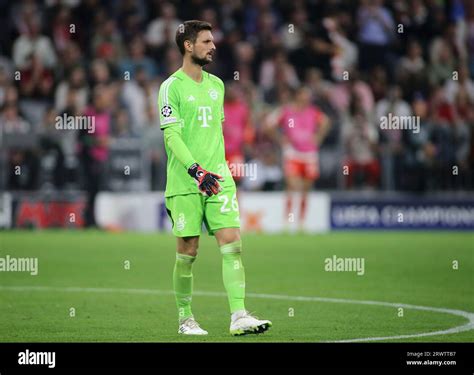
{"x": 191, "y": 98}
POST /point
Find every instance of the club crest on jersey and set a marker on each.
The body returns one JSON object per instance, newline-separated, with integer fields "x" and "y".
{"x": 213, "y": 94}
{"x": 166, "y": 111}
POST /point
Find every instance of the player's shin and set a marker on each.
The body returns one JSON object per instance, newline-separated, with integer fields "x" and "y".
{"x": 233, "y": 275}
{"x": 303, "y": 206}
{"x": 183, "y": 284}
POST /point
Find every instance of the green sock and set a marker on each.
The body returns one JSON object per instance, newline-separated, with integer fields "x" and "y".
{"x": 233, "y": 275}
{"x": 183, "y": 284}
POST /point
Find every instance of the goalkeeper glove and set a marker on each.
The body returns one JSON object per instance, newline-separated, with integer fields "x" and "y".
{"x": 205, "y": 180}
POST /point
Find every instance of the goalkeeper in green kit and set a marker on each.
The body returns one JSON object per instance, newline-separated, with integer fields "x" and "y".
{"x": 191, "y": 114}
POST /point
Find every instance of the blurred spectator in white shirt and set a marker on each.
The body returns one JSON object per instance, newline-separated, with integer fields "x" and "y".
{"x": 162, "y": 30}
{"x": 32, "y": 42}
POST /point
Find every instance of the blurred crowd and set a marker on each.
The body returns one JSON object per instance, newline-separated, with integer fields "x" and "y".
{"x": 362, "y": 60}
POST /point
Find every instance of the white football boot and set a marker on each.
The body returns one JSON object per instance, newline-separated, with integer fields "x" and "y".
{"x": 190, "y": 327}
{"x": 243, "y": 323}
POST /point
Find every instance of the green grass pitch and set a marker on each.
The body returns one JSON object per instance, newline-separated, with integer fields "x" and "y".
{"x": 137, "y": 305}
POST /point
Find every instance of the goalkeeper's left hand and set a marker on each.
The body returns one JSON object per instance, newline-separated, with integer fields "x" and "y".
{"x": 206, "y": 181}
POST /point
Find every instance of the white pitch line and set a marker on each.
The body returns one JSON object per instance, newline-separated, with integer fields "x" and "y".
{"x": 462, "y": 328}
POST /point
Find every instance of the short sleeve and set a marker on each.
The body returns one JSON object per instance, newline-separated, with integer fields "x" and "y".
{"x": 168, "y": 104}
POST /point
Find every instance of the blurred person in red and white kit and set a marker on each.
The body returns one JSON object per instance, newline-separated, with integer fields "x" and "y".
{"x": 303, "y": 127}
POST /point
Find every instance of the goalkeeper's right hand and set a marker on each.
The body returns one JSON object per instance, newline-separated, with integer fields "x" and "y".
{"x": 206, "y": 181}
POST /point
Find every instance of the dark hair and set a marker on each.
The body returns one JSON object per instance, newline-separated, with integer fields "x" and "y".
{"x": 189, "y": 30}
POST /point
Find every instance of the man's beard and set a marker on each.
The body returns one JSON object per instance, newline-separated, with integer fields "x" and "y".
{"x": 199, "y": 61}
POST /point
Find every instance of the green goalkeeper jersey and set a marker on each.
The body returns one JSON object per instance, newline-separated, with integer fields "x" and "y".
{"x": 196, "y": 110}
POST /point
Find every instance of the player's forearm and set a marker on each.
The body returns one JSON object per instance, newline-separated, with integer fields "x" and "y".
{"x": 175, "y": 144}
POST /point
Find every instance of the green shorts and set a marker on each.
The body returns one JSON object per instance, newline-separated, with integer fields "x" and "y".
{"x": 188, "y": 212}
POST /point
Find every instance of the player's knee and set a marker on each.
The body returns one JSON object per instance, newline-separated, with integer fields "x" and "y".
{"x": 227, "y": 236}
{"x": 192, "y": 252}
{"x": 232, "y": 240}
{"x": 188, "y": 246}
{"x": 188, "y": 250}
